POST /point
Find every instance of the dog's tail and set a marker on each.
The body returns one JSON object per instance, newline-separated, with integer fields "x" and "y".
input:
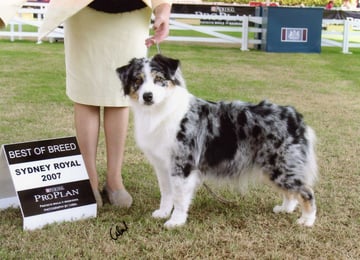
{"x": 311, "y": 165}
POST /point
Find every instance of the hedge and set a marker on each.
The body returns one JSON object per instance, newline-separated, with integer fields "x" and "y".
{"x": 288, "y": 2}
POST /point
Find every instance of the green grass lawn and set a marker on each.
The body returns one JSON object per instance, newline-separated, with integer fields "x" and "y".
{"x": 324, "y": 87}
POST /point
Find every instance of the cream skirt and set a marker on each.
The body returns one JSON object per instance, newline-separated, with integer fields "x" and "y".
{"x": 96, "y": 43}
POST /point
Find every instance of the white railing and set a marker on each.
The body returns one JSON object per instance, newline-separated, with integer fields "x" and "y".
{"x": 26, "y": 16}
{"x": 246, "y": 29}
{"x": 347, "y": 37}
{"x": 218, "y": 32}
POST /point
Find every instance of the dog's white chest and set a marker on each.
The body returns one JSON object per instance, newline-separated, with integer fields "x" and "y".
{"x": 155, "y": 138}
{"x": 156, "y": 128}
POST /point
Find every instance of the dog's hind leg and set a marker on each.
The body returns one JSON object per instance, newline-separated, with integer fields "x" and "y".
{"x": 303, "y": 195}
{"x": 308, "y": 206}
{"x": 289, "y": 203}
{"x": 296, "y": 191}
{"x": 184, "y": 189}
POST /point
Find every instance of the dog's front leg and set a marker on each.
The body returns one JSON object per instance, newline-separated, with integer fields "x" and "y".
{"x": 183, "y": 189}
{"x": 166, "y": 201}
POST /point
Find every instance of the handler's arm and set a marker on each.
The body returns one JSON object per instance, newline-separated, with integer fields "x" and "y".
{"x": 161, "y": 24}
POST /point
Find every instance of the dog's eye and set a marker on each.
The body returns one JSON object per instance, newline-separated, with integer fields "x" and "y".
{"x": 138, "y": 82}
{"x": 159, "y": 80}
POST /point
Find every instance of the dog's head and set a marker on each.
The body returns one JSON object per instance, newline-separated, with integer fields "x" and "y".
{"x": 149, "y": 81}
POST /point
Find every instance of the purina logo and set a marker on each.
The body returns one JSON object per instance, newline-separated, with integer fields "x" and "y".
{"x": 55, "y": 193}
{"x": 54, "y": 189}
{"x": 222, "y": 9}
{"x": 294, "y": 34}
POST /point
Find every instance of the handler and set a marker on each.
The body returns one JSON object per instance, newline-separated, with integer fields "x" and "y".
{"x": 101, "y": 35}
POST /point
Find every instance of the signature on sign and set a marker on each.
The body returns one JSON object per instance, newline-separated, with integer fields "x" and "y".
{"x": 118, "y": 231}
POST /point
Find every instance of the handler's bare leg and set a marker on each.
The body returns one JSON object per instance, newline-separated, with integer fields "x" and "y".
{"x": 116, "y": 121}
{"x": 87, "y": 124}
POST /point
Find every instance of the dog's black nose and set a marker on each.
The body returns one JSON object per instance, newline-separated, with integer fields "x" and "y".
{"x": 148, "y": 96}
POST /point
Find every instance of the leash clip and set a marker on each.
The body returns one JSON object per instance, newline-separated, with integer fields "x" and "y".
{"x": 158, "y": 48}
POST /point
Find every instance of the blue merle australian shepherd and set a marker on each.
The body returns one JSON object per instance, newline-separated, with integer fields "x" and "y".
{"x": 188, "y": 139}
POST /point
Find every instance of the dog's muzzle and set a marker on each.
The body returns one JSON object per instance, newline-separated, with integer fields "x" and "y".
{"x": 148, "y": 98}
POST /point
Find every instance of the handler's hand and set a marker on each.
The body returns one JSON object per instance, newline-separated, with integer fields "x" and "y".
{"x": 161, "y": 25}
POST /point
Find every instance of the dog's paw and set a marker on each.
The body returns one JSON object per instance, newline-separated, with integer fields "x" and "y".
{"x": 178, "y": 218}
{"x": 306, "y": 221}
{"x": 278, "y": 209}
{"x": 173, "y": 224}
{"x": 161, "y": 213}
{"x": 288, "y": 208}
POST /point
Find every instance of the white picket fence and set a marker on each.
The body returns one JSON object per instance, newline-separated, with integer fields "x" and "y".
{"x": 26, "y": 16}
{"x": 246, "y": 29}
{"x": 217, "y": 33}
{"x": 344, "y": 37}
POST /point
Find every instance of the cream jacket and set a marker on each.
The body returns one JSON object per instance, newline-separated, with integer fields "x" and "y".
{"x": 57, "y": 12}
{"x": 8, "y": 9}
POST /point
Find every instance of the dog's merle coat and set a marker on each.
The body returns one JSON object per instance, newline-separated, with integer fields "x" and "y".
{"x": 188, "y": 139}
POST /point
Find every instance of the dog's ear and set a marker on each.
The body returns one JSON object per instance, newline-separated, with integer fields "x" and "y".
{"x": 166, "y": 64}
{"x": 125, "y": 74}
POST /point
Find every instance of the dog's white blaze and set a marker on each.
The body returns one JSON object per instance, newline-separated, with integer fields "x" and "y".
{"x": 149, "y": 86}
